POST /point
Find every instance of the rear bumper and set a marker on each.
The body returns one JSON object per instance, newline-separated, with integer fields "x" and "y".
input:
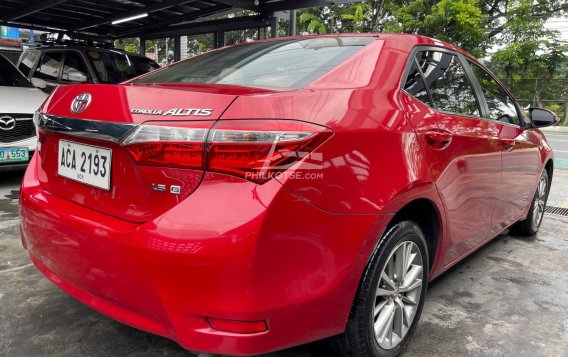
{"x": 232, "y": 250}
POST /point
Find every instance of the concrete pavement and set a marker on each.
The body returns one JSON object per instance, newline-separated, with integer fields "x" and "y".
{"x": 508, "y": 299}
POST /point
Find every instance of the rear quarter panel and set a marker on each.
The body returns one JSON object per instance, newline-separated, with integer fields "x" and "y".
{"x": 373, "y": 162}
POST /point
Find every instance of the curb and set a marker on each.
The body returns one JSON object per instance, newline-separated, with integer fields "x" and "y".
{"x": 552, "y": 129}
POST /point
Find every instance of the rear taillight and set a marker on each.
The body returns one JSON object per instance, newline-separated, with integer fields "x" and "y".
{"x": 257, "y": 150}
{"x": 253, "y": 149}
{"x": 171, "y": 146}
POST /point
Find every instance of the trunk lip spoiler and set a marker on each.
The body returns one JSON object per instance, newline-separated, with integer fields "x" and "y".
{"x": 86, "y": 128}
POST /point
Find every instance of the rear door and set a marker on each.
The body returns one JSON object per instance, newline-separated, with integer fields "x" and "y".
{"x": 462, "y": 148}
{"x": 521, "y": 156}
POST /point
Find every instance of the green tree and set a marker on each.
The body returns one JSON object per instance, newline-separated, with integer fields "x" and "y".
{"x": 355, "y": 18}
{"x": 128, "y": 44}
{"x": 316, "y": 20}
{"x": 532, "y": 60}
{"x": 459, "y": 22}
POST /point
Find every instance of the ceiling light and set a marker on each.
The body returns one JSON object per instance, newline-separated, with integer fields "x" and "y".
{"x": 130, "y": 18}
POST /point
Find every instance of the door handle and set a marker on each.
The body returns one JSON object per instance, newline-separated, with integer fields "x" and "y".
{"x": 438, "y": 139}
{"x": 508, "y": 144}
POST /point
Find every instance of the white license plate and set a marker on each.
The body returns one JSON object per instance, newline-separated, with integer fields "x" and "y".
{"x": 85, "y": 163}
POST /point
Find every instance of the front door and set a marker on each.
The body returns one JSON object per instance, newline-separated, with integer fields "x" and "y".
{"x": 521, "y": 156}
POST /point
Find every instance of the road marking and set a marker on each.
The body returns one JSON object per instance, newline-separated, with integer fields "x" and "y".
{"x": 560, "y": 151}
{"x": 561, "y": 163}
{"x": 562, "y": 141}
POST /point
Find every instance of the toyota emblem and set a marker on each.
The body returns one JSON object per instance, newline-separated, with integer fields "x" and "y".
{"x": 80, "y": 103}
{"x": 7, "y": 123}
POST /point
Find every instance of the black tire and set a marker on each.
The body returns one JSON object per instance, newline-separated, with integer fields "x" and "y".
{"x": 530, "y": 225}
{"x": 359, "y": 338}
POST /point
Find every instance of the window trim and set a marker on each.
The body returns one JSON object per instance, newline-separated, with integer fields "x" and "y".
{"x": 478, "y": 92}
{"x": 414, "y": 62}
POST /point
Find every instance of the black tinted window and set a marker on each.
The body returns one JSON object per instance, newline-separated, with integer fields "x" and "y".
{"x": 449, "y": 86}
{"x": 116, "y": 67}
{"x": 501, "y": 106}
{"x": 74, "y": 69}
{"x": 27, "y": 61}
{"x": 415, "y": 86}
{"x": 48, "y": 68}
{"x": 9, "y": 75}
{"x": 143, "y": 65}
{"x": 278, "y": 64}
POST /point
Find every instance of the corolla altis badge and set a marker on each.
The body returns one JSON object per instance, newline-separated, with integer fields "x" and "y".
{"x": 80, "y": 103}
{"x": 178, "y": 112}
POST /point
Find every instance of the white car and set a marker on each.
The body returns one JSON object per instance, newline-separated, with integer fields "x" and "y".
{"x": 19, "y": 99}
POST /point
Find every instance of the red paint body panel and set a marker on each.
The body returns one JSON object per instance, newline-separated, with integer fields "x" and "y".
{"x": 466, "y": 172}
{"x": 120, "y": 99}
{"x": 289, "y": 252}
{"x": 167, "y": 275}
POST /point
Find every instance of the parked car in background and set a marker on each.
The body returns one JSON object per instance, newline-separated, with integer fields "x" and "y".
{"x": 68, "y": 64}
{"x": 19, "y": 99}
{"x": 275, "y": 193}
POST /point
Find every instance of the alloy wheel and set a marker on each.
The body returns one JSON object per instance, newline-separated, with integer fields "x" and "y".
{"x": 540, "y": 201}
{"x": 398, "y": 294}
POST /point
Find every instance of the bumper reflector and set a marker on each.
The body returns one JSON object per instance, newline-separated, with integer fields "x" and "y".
{"x": 234, "y": 326}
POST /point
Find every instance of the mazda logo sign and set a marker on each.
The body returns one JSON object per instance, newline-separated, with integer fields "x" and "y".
{"x": 80, "y": 103}
{"x": 7, "y": 123}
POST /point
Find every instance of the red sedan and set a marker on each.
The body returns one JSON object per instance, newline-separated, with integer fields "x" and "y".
{"x": 270, "y": 194}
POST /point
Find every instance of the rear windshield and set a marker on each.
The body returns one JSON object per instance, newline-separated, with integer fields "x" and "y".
{"x": 10, "y": 76}
{"x": 116, "y": 67}
{"x": 272, "y": 64}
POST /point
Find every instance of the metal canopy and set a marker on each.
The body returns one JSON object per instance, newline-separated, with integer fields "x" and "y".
{"x": 165, "y": 17}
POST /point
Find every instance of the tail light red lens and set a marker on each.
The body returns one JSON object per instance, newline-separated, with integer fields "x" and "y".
{"x": 170, "y": 144}
{"x": 258, "y": 150}
{"x": 253, "y": 149}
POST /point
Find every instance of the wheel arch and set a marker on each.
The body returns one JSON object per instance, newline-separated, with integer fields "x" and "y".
{"x": 425, "y": 213}
{"x": 549, "y": 167}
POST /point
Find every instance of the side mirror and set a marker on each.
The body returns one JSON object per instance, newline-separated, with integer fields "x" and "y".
{"x": 542, "y": 117}
{"x": 72, "y": 75}
{"x": 39, "y": 83}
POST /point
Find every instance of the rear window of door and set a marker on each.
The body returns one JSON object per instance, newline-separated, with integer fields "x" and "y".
{"x": 415, "y": 85}
{"x": 74, "y": 69}
{"x": 445, "y": 80}
{"x": 501, "y": 106}
{"x": 116, "y": 67}
{"x": 49, "y": 66}
{"x": 27, "y": 61}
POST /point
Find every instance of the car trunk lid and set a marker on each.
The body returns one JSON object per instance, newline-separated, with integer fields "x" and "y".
{"x": 136, "y": 193}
